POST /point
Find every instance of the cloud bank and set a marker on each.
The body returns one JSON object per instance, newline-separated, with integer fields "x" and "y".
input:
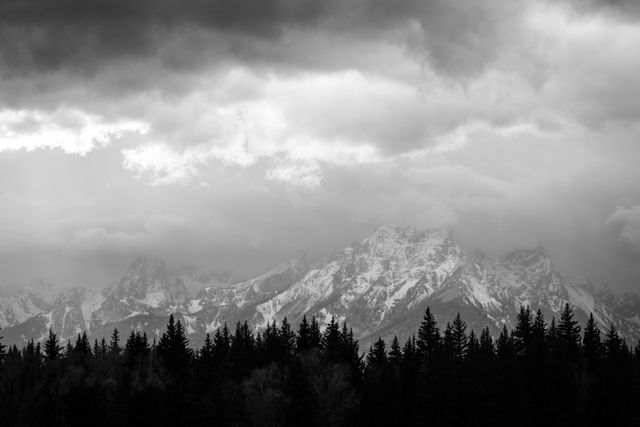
{"x": 233, "y": 134}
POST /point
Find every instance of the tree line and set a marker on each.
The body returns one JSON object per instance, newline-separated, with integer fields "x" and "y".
{"x": 538, "y": 373}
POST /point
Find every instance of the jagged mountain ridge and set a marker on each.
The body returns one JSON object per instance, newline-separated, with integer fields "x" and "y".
{"x": 380, "y": 286}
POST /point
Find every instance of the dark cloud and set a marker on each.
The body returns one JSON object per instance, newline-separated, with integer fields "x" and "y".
{"x": 459, "y": 37}
{"x": 231, "y": 134}
{"x": 622, "y": 7}
{"x": 48, "y": 35}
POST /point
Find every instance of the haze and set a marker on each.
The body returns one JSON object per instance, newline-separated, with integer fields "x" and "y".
{"x": 232, "y": 134}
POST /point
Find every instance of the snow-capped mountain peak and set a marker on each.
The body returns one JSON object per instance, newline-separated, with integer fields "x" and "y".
{"x": 380, "y": 287}
{"x": 152, "y": 281}
{"x": 148, "y": 286}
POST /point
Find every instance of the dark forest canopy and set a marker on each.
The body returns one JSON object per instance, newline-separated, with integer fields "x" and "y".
{"x": 539, "y": 373}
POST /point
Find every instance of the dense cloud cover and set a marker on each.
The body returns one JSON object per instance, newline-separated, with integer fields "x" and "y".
{"x": 235, "y": 133}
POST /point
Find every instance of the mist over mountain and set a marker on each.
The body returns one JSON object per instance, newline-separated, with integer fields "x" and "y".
{"x": 380, "y": 286}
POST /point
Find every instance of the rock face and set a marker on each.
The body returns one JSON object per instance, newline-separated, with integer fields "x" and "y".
{"x": 149, "y": 286}
{"x": 380, "y": 287}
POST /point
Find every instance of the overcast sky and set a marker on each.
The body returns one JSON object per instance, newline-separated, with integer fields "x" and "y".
{"x": 232, "y": 134}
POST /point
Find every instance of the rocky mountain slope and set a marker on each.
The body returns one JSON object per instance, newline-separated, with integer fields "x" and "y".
{"x": 380, "y": 287}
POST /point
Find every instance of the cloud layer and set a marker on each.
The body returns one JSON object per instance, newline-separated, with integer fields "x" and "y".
{"x": 233, "y": 134}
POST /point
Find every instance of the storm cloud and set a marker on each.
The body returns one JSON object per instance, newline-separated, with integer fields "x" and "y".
{"x": 233, "y": 134}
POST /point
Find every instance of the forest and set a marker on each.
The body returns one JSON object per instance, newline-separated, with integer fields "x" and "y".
{"x": 538, "y": 373}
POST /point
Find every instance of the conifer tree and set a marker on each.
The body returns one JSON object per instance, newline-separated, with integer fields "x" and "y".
{"x": 68, "y": 350}
{"x": 569, "y": 333}
{"x": 331, "y": 341}
{"x": 31, "y": 356}
{"x": 82, "y": 349}
{"x": 523, "y": 331}
{"x": 487, "y": 349}
{"x": 136, "y": 349}
{"x": 504, "y": 346}
{"x": 242, "y": 349}
{"x": 538, "y": 336}
{"x": 271, "y": 343}
{"x": 287, "y": 338}
{"x": 52, "y": 347}
{"x": 349, "y": 348}
{"x": 591, "y": 343}
{"x": 459, "y": 337}
{"x": 207, "y": 350}
{"x": 552, "y": 335}
{"x": 410, "y": 360}
{"x": 613, "y": 344}
{"x": 303, "y": 339}
{"x": 447, "y": 341}
{"x": 173, "y": 348}
{"x": 205, "y": 364}
{"x": 473, "y": 346}
{"x": 315, "y": 336}
{"x": 377, "y": 355}
{"x": 103, "y": 347}
{"x": 2, "y": 349}
{"x": 428, "y": 341}
{"x": 221, "y": 344}
{"x": 395, "y": 354}
{"x": 114, "y": 345}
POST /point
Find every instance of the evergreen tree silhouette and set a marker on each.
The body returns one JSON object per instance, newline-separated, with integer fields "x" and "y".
{"x": 52, "y": 347}
{"x": 229, "y": 383}
{"x": 569, "y": 333}
{"x": 114, "y": 345}
{"x": 428, "y": 341}
{"x": 613, "y": 344}
{"x": 377, "y": 355}
{"x": 82, "y": 349}
{"x": 207, "y": 351}
{"x": 459, "y": 337}
{"x": 272, "y": 346}
{"x": 348, "y": 352}
{"x": 68, "y": 350}
{"x": 552, "y": 336}
{"x": 136, "y": 349}
{"x": 303, "y": 340}
{"x": 103, "y": 348}
{"x": 331, "y": 341}
{"x": 315, "y": 336}
{"x": 174, "y": 350}
{"x": 2, "y": 349}
{"x": 522, "y": 333}
{"x": 487, "y": 349}
{"x": 447, "y": 341}
{"x": 473, "y": 346}
{"x": 287, "y": 338}
{"x": 538, "y": 337}
{"x": 221, "y": 344}
{"x": 242, "y": 349}
{"x": 395, "y": 353}
{"x": 205, "y": 365}
{"x": 591, "y": 343}
{"x": 504, "y": 346}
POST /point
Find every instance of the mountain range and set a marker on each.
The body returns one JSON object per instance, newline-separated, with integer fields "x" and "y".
{"x": 380, "y": 287}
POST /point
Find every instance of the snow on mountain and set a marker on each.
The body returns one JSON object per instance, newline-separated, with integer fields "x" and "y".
{"x": 380, "y": 287}
{"x": 148, "y": 286}
{"x": 197, "y": 278}
{"x": 390, "y": 272}
{"x": 383, "y": 285}
{"x": 68, "y": 314}
{"x": 33, "y": 299}
{"x": 215, "y": 305}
